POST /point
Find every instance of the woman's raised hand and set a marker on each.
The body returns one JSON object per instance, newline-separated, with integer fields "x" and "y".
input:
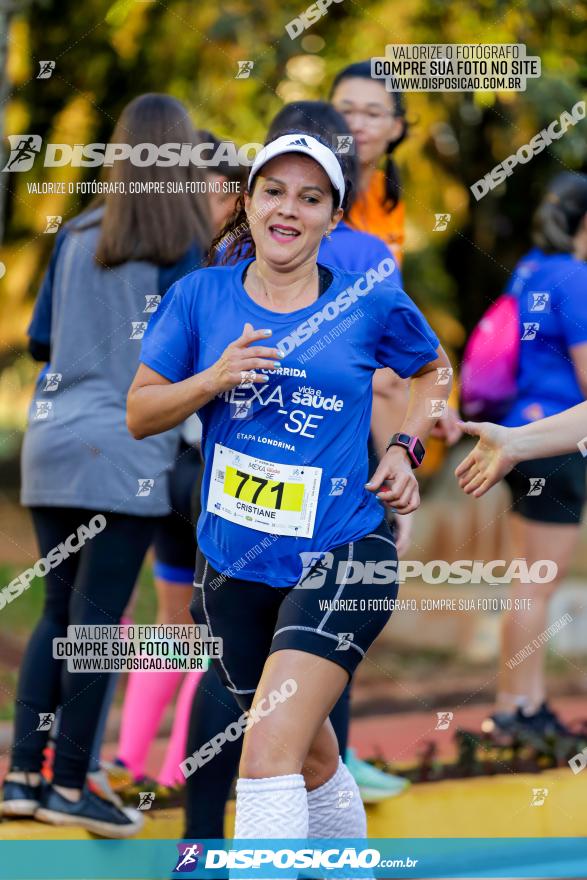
{"x": 240, "y": 361}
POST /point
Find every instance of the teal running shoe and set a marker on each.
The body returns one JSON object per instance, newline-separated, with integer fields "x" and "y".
{"x": 374, "y": 785}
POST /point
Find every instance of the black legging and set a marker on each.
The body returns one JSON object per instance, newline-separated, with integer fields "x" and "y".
{"x": 89, "y": 587}
{"x": 207, "y": 790}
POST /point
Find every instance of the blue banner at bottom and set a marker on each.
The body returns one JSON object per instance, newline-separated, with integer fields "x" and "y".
{"x": 529, "y": 858}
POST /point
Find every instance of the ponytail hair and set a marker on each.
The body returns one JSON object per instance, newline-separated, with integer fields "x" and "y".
{"x": 559, "y": 215}
{"x": 392, "y": 191}
{"x": 234, "y": 242}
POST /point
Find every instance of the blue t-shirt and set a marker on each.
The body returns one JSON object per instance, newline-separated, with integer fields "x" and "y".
{"x": 313, "y": 413}
{"x": 355, "y": 251}
{"x": 552, "y": 294}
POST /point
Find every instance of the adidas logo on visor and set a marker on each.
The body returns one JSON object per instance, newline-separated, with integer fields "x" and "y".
{"x": 304, "y": 143}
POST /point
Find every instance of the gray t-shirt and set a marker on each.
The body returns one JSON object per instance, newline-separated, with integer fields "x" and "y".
{"x": 77, "y": 450}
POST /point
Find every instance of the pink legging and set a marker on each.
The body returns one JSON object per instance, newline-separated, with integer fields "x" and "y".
{"x": 147, "y": 696}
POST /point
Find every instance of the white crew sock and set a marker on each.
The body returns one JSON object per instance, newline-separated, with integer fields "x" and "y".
{"x": 335, "y": 808}
{"x": 274, "y": 807}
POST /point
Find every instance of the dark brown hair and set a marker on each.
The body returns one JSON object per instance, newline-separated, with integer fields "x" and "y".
{"x": 157, "y": 227}
{"x": 237, "y": 173}
{"x": 559, "y": 215}
{"x": 362, "y": 70}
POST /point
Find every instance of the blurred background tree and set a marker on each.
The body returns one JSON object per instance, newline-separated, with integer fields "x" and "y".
{"x": 107, "y": 52}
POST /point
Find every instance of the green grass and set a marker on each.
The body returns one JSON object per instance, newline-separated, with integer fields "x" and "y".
{"x": 19, "y": 617}
{"x": 8, "y": 682}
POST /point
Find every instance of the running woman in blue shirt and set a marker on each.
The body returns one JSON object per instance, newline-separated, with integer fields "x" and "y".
{"x": 286, "y": 508}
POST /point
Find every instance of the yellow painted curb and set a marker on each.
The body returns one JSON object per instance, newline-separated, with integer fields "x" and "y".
{"x": 499, "y": 806}
{"x": 163, "y": 824}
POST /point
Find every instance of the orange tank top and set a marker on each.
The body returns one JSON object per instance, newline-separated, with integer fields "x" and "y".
{"x": 368, "y": 214}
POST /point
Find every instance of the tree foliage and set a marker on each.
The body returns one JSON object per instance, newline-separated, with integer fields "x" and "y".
{"x": 108, "y": 52}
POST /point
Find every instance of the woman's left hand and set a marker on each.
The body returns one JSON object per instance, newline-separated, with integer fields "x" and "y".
{"x": 402, "y": 491}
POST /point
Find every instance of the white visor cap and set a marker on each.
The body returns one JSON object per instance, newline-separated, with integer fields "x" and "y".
{"x": 309, "y": 146}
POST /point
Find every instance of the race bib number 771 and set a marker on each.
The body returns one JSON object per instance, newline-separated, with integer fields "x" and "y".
{"x": 276, "y": 498}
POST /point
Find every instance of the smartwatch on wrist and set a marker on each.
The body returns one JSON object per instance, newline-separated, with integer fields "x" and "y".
{"x": 413, "y": 446}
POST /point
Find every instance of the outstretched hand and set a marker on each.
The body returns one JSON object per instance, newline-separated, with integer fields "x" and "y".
{"x": 488, "y": 462}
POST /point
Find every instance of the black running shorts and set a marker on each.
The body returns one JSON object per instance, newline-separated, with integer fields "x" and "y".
{"x": 549, "y": 490}
{"x": 336, "y": 610}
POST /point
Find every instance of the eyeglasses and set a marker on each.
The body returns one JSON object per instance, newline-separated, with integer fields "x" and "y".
{"x": 371, "y": 117}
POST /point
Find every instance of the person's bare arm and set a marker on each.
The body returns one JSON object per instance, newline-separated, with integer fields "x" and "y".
{"x": 390, "y": 404}
{"x": 394, "y": 468}
{"x": 155, "y": 404}
{"x": 500, "y": 449}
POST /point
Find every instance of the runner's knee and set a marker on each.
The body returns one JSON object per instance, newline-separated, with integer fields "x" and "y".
{"x": 267, "y": 752}
{"x": 322, "y": 759}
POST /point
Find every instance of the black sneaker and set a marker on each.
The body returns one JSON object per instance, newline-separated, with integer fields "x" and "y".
{"x": 91, "y": 812}
{"x": 19, "y": 799}
{"x": 545, "y": 722}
